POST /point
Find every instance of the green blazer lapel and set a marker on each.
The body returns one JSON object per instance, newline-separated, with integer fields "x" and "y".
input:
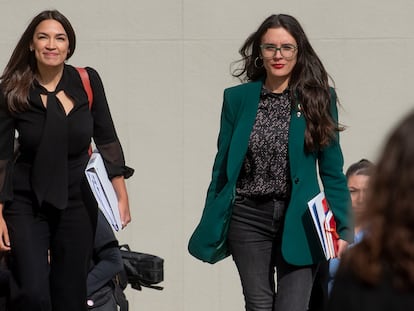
{"x": 249, "y": 97}
{"x": 296, "y": 136}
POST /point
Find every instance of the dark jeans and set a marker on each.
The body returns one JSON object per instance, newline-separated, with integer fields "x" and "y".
{"x": 254, "y": 239}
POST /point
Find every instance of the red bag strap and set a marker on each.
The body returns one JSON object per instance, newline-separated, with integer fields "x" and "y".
{"x": 88, "y": 89}
{"x": 86, "y": 84}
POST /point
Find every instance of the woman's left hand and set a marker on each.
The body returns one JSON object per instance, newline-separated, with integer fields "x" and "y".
{"x": 342, "y": 246}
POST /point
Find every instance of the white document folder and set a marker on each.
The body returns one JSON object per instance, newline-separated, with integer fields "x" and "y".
{"x": 103, "y": 190}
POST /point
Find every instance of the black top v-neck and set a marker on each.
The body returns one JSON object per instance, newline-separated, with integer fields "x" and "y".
{"x": 68, "y": 137}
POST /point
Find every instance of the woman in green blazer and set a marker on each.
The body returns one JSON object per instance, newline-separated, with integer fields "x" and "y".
{"x": 278, "y": 134}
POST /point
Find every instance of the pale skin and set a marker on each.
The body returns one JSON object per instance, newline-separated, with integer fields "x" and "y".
{"x": 50, "y": 45}
{"x": 278, "y": 72}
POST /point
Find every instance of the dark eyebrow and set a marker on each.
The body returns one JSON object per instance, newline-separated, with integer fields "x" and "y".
{"x": 57, "y": 35}
{"x": 273, "y": 45}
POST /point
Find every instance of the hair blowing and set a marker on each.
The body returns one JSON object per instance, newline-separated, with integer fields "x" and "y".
{"x": 308, "y": 82}
{"x": 20, "y": 71}
{"x": 387, "y": 249}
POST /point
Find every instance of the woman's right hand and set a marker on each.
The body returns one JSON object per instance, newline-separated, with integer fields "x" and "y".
{"x": 4, "y": 233}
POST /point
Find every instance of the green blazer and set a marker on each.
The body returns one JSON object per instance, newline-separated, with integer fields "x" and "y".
{"x": 300, "y": 244}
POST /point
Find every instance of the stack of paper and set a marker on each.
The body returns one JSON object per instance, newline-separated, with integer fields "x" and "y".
{"x": 325, "y": 225}
{"x": 103, "y": 190}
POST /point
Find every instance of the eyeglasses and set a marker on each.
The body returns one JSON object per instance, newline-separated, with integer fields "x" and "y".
{"x": 287, "y": 51}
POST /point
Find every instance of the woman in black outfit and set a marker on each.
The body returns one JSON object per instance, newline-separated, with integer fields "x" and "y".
{"x": 45, "y": 202}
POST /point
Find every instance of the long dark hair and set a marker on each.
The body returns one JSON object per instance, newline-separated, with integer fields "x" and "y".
{"x": 388, "y": 244}
{"x": 308, "y": 82}
{"x": 20, "y": 71}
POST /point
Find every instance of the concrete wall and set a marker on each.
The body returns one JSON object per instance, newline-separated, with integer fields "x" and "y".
{"x": 165, "y": 64}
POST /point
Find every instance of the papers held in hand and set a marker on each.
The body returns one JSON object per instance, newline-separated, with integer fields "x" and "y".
{"x": 325, "y": 225}
{"x": 103, "y": 190}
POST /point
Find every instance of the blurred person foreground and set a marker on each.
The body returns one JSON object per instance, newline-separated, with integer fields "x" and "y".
{"x": 378, "y": 272}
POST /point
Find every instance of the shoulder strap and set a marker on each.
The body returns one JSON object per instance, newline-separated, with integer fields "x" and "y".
{"x": 86, "y": 84}
{"x": 88, "y": 89}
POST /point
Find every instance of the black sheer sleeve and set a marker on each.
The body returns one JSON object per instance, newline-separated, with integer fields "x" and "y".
{"x": 105, "y": 137}
{"x": 114, "y": 160}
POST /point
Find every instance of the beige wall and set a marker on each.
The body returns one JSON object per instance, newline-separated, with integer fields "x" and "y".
{"x": 165, "y": 64}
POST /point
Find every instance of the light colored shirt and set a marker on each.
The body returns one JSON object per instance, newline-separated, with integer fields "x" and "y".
{"x": 334, "y": 263}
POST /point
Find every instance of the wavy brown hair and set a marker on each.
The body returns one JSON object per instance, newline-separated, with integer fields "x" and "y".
{"x": 20, "y": 71}
{"x": 388, "y": 244}
{"x": 308, "y": 82}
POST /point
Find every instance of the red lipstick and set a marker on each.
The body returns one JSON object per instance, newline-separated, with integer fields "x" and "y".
{"x": 278, "y": 66}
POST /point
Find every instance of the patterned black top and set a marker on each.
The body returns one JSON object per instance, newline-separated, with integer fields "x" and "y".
{"x": 265, "y": 171}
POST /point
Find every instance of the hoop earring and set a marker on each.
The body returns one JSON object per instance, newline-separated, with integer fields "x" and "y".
{"x": 255, "y": 63}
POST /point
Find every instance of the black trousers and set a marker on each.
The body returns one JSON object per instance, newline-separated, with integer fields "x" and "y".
{"x": 51, "y": 252}
{"x": 4, "y": 283}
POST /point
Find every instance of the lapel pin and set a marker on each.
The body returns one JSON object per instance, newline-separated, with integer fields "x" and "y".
{"x": 299, "y": 111}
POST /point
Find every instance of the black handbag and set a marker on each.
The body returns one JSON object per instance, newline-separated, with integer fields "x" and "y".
{"x": 142, "y": 269}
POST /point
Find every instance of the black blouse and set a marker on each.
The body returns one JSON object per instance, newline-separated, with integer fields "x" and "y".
{"x": 57, "y": 142}
{"x": 265, "y": 170}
